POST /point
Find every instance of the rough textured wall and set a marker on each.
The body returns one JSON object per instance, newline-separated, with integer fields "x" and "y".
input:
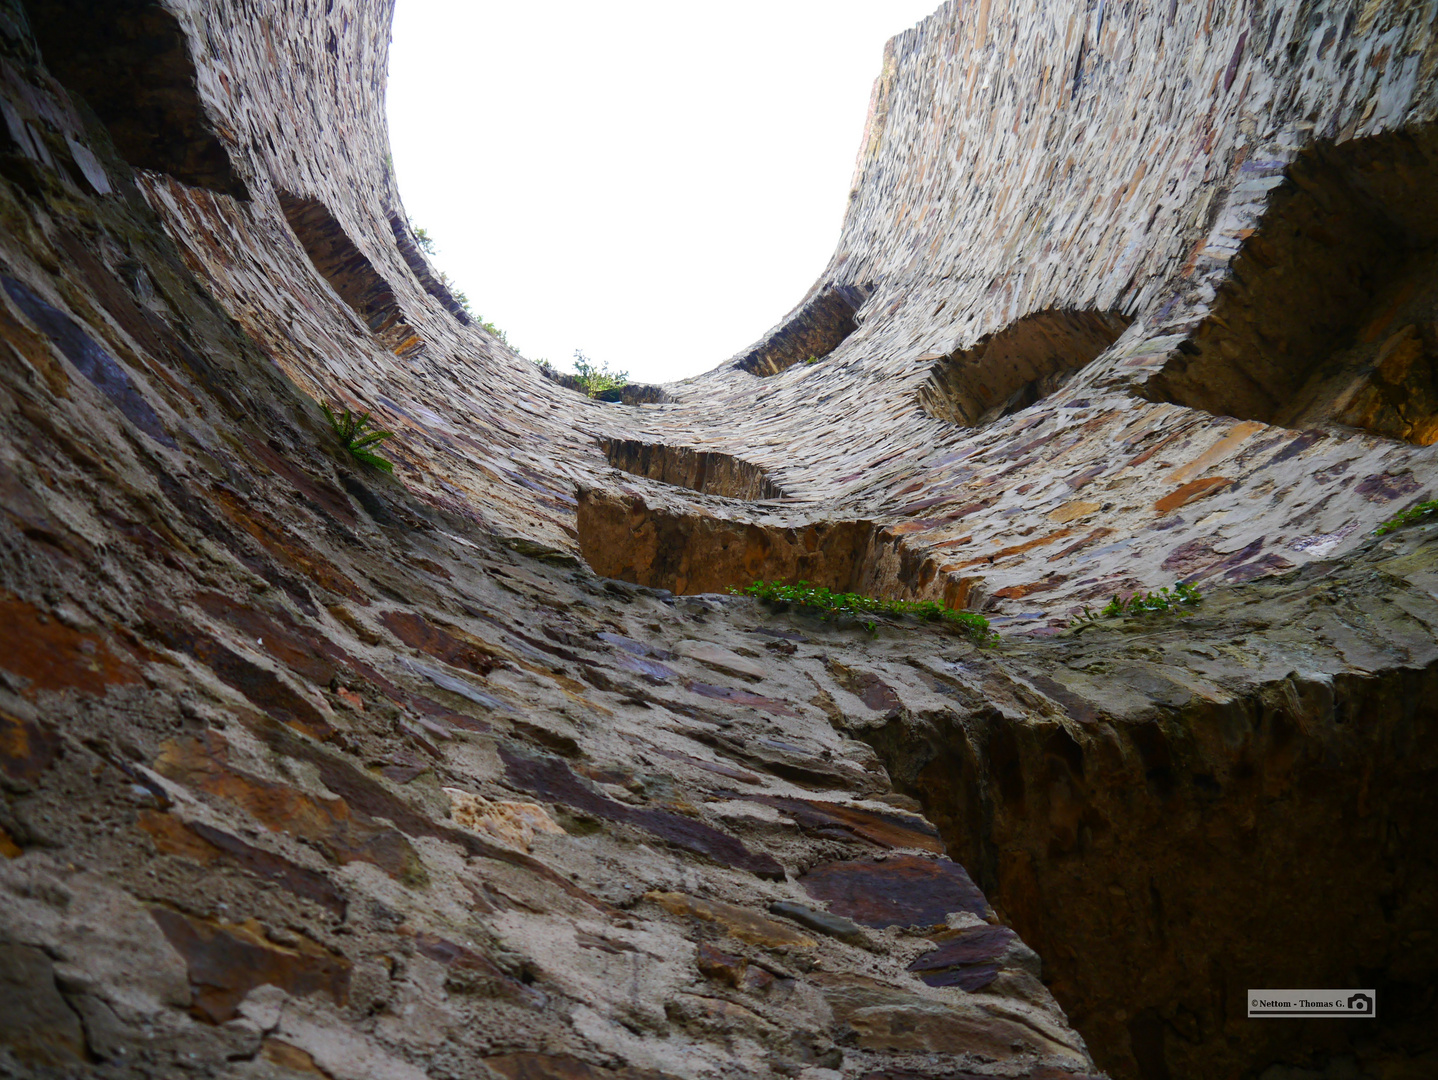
{"x": 312, "y": 770}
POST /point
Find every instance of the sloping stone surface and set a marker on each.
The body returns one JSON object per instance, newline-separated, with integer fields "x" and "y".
{"x": 245, "y": 682}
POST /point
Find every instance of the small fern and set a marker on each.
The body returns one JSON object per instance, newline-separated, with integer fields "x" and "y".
{"x": 352, "y": 434}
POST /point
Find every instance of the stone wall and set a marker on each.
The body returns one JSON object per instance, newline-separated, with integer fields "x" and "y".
{"x": 478, "y": 770}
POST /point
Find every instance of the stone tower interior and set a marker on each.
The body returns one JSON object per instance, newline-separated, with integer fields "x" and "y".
{"x": 479, "y": 769}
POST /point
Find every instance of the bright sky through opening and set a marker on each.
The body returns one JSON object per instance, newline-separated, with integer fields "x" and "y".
{"x": 655, "y": 184}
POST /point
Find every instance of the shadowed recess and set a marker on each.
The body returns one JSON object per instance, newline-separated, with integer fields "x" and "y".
{"x": 816, "y": 328}
{"x": 1017, "y": 366}
{"x": 130, "y": 60}
{"x": 1330, "y": 310}
{"x": 625, "y": 538}
{"x": 405, "y": 241}
{"x": 708, "y": 471}
{"x": 349, "y": 272}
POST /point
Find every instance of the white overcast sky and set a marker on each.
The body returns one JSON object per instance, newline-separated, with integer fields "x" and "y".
{"x": 655, "y": 183}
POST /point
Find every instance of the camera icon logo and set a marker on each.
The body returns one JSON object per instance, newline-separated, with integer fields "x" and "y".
{"x": 1360, "y": 1003}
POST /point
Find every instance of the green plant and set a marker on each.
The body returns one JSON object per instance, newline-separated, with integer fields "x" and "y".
{"x": 597, "y": 378}
{"x": 1140, "y": 603}
{"x": 351, "y": 432}
{"x": 971, "y": 624}
{"x": 1407, "y": 517}
{"x": 422, "y": 239}
{"x": 812, "y": 360}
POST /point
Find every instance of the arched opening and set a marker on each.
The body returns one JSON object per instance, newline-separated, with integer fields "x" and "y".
{"x": 1011, "y": 369}
{"x": 1330, "y": 311}
{"x": 709, "y": 471}
{"x": 816, "y": 329}
{"x": 349, "y": 272}
{"x": 130, "y": 61}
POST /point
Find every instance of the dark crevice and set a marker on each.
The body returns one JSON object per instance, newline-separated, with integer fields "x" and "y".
{"x": 708, "y": 471}
{"x": 1329, "y": 314}
{"x": 349, "y": 272}
{"x": 815, "y": 330}
{"x": 130, "y": 61}
{"x": 624, "y": 537}
{"x": 1017, "y": 366}
{"x": 409, "y": 248}
{"x": 1162, "y": 868}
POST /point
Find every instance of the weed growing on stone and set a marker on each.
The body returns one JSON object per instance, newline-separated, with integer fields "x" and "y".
{"x": 1180, "y": 596}
{"x": 352, "y": 433}
{"x": 973, "y": 625}
{"x": 1407, "y": 517}
{"x": 597, "y": 378}
{"x": 812, "y": 360}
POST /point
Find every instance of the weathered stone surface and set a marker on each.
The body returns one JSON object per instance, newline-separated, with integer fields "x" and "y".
{"x": 1162, "y": 275}
{"x": 902, "y": 890}
{"x": 835, "y": 926}
{"x": 552, "y": 779}
{"x": 509, "y": 822}
{"x": 743, "y": 924}
{"x": 36, "y": 1024}
{"x": 227, "y": 961}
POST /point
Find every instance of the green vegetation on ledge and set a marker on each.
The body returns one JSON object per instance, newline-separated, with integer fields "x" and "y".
{"x": 589, "y": 378}
{"x": 1140, "y": 603}
{"x": 973, "y": 625}
{"x": 351, "y": 432}
{"x": 597, "y": 378}
{"x": 1407, "y": 517}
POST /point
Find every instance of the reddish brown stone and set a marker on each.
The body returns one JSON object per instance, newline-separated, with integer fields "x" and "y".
{"x": 366, "y": 799}
{"x": 282, "y": 542}
{"x": 49, "y": 655}
{"x": 291, "y": 1058}
{"x": 27, "y": 750}
{"x": 886, "y": 830}
{"x": 470, "y": 972}
{"x": 968, "y": 960}
{"x": 721, "y": 966}
{"x": 347, "y": 835}
{"x": 1191, "y": 491}
{"x": 873, "y": 691}
{"x": 278, "y": 635}
{"x": 324, "y": 496}
{"x": 902, "y": 890}
{"x": 227, "y": 960}
{"x": 28, "y": 512}
{"x": 208, "y": 845}
{"x": 740, "y": 697}
{"x": 450, "y": 644}
{"x": 554, "y": 781}
{"x": 1385, "y": 487}
{"x": 560, "y": 1067}
{"x": 259, "y": 685}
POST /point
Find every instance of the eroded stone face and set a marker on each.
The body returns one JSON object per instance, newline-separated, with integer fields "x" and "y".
{"x": 311, "y": 770}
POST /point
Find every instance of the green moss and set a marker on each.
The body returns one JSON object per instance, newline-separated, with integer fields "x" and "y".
{"x": 971, "y": 624}
{"x": 1407, "y": 517}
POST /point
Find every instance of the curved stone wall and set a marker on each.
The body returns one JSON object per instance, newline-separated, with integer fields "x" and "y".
{"x": 309, "y": 768}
